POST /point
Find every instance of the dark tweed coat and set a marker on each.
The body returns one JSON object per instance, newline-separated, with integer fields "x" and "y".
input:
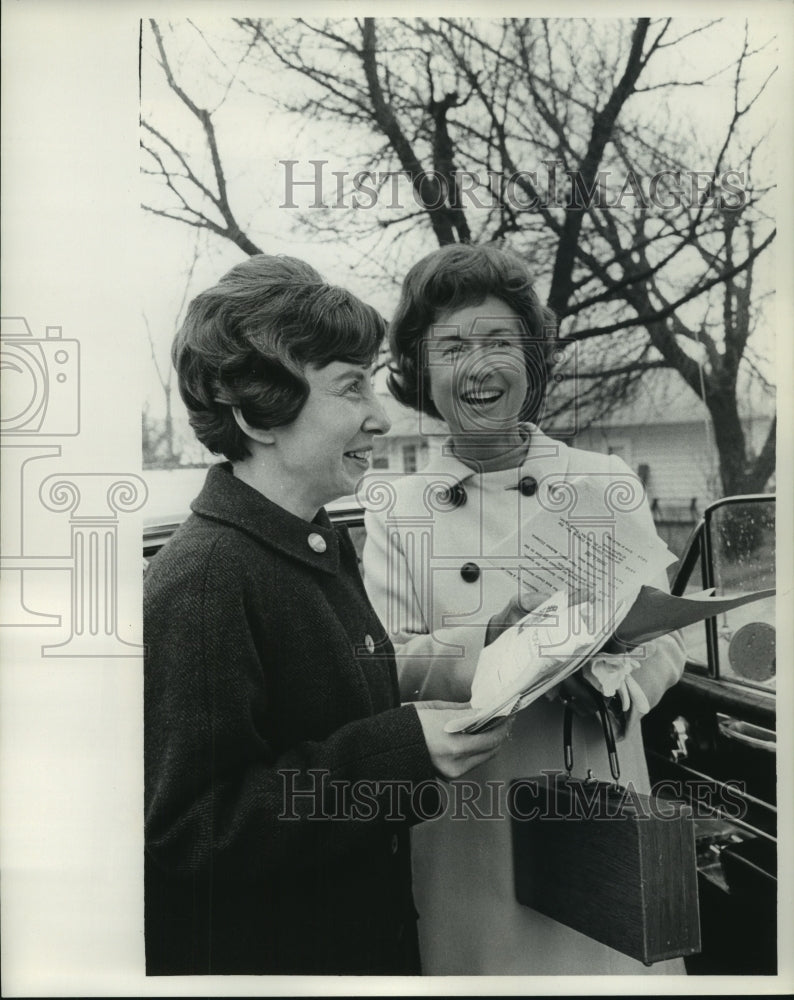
{"x": 260, "y": 681}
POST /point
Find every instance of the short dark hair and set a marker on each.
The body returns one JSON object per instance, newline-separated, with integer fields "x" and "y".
{"x": 246, "y": 341}
{"x": 453, "y": 278}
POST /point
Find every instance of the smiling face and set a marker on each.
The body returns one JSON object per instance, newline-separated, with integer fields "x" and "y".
{"x": 326, "y": 450}
{"x": 477, "y": 374}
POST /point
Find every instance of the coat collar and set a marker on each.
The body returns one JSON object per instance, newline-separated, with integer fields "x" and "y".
{"x": 544, "y": 456}
{"x": 230, "y": 501}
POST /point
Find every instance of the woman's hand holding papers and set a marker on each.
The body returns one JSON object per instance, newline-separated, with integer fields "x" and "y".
{"x": 517, "y": 607}
{"x": 453, "y": 754}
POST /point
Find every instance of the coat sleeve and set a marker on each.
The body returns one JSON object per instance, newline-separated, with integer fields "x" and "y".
{"x": 663, "y": 659}
{"x": 218, "y": 795}
{"x": 429, "y": 665}
{"x": 661, "y": 666}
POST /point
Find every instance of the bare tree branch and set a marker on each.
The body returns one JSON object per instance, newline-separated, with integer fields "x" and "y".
{"x": 649, "y": 285}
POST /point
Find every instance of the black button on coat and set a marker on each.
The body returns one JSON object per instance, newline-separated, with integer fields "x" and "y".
{"x": 258, "y": 689}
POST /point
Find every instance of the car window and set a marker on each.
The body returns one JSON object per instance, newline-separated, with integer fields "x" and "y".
{"x": 736, "y": 543}
{"x": 742, "y": 541}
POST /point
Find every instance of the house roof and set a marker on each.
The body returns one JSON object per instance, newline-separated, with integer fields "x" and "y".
{"x": 663, "y": 398}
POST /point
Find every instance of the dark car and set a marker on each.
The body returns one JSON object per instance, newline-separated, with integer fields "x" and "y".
{"x": 711, "y": 740}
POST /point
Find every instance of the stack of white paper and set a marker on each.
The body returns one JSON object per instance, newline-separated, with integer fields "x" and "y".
{"x": 598, "y": 569}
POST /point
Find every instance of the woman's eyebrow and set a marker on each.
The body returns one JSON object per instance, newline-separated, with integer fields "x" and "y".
{"x": 510, "y": 328}
{"x": 490, "y": 331}
{"x": 352, "y": 370}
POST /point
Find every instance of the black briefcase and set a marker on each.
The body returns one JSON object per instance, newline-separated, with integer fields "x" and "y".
{"x": 606, "y": 860}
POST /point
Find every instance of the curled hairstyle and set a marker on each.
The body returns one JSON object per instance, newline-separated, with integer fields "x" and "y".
{"x": 246, "y": 341}
{"x": 456, "y": 277}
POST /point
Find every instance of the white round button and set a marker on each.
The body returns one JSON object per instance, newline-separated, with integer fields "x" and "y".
{"x": 369, "y": 642}
{"x": 317, "y": 542}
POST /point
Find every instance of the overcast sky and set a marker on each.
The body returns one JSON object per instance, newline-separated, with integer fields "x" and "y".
{"x": 253, "y": 139}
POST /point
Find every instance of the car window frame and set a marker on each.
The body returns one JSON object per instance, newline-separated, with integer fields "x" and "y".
{"x": 699, "y": 547}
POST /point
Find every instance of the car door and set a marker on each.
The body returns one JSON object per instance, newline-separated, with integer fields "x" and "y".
{"x": 712, "y": 738}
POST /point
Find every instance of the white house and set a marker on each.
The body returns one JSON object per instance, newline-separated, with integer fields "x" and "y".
{"x": 664, "y": 435}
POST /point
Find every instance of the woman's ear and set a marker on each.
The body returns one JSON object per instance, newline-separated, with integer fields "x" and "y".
{"x": 260, "y": 434}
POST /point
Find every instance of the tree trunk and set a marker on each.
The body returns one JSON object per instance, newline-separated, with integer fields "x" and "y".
{"x": 738, "y": 473}
{"x": 171, "y": 456}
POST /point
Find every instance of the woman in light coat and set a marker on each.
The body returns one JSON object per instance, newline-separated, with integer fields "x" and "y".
{"x": 469, "y": 343}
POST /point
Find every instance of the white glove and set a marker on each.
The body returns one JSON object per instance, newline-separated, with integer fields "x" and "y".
{"x": 611, "y": 674}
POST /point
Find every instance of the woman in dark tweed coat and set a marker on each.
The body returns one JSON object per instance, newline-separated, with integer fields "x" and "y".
{"x": 280, "y": 770}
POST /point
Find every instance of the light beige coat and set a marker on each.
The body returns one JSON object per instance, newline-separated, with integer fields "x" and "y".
{"x": 470, "y": 922}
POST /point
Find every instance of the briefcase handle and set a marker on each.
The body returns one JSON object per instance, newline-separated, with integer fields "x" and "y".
{"x": 609, "y": 736}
